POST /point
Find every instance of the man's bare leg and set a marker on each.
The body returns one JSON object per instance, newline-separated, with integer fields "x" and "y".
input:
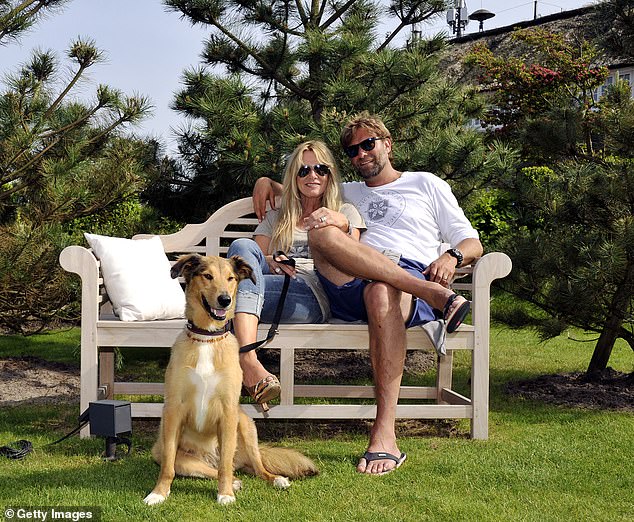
{"x": 386, "y": 308}
{"x": 335, "y": 253}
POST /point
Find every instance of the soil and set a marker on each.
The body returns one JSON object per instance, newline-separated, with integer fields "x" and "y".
{"x": 36, "y": 381}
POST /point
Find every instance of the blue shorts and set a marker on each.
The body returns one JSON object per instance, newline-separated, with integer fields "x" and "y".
{"x": 347, "y": 304}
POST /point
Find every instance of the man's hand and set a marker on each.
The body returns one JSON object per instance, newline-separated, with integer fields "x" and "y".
{"x": 442, "y": 270}
{"x": 264, "y": 190}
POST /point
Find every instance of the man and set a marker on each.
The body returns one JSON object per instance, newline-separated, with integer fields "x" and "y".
{"x": 408, "y": 215}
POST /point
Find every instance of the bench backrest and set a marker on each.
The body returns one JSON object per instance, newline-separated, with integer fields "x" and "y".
{"x": 213, "y": 237}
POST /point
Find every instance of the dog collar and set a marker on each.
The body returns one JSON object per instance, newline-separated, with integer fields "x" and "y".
{"x": 215, "y": 335}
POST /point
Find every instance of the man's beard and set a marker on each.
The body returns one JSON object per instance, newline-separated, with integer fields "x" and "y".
{"x": 371, "y": 170}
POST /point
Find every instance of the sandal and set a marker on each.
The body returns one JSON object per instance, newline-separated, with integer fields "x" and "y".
{"x": 265, "y": 390}
{"x": 460, "y": 311}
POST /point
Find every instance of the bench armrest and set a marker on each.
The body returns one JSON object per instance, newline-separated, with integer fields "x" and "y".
{"x": 81, "y": 261}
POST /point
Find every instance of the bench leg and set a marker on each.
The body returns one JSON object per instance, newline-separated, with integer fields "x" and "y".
{"x": 287, "y": 376}
{"x": 106, "y": 373}
{"x": 480, "y": 393}
{"x": 444, "y": 375}
{"x": 89, "y": 375}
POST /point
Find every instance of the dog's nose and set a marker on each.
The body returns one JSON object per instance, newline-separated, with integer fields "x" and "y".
{"x": 224, "y": 300}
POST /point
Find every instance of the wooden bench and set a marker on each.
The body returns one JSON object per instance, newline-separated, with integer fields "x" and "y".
{"x": 101, "y": 332}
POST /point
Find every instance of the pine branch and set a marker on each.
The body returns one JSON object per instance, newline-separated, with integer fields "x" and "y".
{"x": 338, "y": 13}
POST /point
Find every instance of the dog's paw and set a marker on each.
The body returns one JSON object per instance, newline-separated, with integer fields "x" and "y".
{"x": 237, "y": 485}
{"x": 282, "y": 483}
{"x": 154, "y": 498}
{"x": 223, "y": 500}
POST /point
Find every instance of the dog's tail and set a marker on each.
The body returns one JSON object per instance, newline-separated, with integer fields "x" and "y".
{"x": 287, "y": 462}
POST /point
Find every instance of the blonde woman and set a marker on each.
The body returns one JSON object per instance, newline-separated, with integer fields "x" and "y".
{"x": 311, "y": 183}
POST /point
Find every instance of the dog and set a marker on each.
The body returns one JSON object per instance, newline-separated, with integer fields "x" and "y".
{"x": 203, "y": 431}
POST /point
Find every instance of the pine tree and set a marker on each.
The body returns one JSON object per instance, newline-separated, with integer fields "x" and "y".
{"x": 277, "y": 73}
{"x": 60, "y": 161}
{"x": 572, "y": 239}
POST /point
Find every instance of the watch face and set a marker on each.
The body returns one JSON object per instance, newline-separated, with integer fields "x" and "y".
{"x": 457, "y": 254}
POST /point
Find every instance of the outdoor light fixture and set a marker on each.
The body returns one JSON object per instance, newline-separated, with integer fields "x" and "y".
{"x": 109, "y": 418}
{"x": 480, "y": 16}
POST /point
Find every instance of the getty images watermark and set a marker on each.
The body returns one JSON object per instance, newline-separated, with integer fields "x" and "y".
{"x": 48, "y": 513}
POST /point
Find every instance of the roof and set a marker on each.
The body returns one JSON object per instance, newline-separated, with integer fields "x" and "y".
{"x": 577, "y": 23}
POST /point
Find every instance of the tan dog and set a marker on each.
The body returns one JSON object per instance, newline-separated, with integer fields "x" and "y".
{"x": 203, "y": 431}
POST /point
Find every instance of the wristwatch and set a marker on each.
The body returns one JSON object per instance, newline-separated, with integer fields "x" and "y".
{"x": 454, "y": 252}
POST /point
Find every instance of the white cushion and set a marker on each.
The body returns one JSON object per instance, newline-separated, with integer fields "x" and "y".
{"x": 136, "y": 273}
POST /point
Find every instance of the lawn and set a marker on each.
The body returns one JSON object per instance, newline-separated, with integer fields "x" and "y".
{"x": 541, "y": 462}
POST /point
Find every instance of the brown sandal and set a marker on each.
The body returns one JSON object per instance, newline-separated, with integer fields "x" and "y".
{"x": 265, "y": 390}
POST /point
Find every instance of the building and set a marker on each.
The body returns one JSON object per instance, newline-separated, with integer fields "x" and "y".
{"x": 578, "y": 23}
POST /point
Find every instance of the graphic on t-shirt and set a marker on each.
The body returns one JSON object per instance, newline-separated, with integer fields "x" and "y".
{"x": 384, "y": 207}
{"x": 300, "y": 249}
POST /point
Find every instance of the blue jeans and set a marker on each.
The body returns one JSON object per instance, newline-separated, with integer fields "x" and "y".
{"x": 261, "y": 298}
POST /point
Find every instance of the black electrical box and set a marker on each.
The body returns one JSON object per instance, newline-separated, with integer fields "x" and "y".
{"x": 108, "y": 418}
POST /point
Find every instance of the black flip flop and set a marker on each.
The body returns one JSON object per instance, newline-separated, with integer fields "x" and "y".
{"x": 371, "y": 456}
{"x": 458, "y": 316}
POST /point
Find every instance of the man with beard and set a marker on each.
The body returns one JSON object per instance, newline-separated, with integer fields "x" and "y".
{"x": 408, "y": 215}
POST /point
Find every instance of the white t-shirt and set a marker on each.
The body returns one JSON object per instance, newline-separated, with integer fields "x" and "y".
{"x": 413, "y": 215}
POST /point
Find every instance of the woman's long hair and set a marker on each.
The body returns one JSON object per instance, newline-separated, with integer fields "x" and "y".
{"x": 291, "y": 208}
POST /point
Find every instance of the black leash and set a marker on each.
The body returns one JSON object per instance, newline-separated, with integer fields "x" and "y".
{"x": 21, "y": 448}
{"x": 273, "y": 331}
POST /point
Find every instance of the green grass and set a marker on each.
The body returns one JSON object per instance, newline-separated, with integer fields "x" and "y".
{"x": 541, "y": 463}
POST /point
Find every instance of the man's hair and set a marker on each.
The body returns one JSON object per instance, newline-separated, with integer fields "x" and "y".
{"x": 363, "y": 120}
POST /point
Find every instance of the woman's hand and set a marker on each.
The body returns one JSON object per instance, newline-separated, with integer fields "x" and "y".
{"x": 275, "y": 267}
{"x": 324, "y": 217}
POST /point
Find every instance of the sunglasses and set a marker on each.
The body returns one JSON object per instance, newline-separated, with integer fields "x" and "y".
{"x": 367, "y": 145}
{"x": 320, "y": 169}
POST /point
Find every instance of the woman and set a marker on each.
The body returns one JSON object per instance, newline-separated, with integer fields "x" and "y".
{"x": 311, "y": 183}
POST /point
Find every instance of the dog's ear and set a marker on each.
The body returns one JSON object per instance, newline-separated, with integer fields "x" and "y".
{"x": 242, "y": 269}
{"x": 185, "y": 265}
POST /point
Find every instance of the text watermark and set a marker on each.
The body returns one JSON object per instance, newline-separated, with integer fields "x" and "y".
{"x": 49, "y": 513}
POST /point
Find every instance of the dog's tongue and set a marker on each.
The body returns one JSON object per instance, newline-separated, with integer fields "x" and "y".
{"x": 219, "y": 313}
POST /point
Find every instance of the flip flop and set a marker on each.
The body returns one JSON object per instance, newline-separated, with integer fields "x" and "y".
{"x": 371, "y": 456}
{"x": 454, "y": 320}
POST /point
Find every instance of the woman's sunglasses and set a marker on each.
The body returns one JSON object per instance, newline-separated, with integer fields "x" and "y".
{"x": 322, "y": 170}
{"x": 367, "y": 145}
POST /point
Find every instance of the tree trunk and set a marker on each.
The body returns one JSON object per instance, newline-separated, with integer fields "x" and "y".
{"x": 610, "y": 333}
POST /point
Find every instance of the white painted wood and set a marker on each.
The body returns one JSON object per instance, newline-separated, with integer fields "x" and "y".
{"x": 101, "y": 330}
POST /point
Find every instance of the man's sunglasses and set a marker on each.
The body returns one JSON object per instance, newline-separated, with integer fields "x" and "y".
{"x": 367, "y": 145}
{"x": 322, "y": 170}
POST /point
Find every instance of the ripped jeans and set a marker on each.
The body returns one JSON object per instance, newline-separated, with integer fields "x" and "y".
{"x": 261, "y": 298}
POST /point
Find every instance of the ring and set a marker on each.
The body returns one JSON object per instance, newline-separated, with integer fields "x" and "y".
{"x": 322, "y": 219}
{"x": 277, "y": 269}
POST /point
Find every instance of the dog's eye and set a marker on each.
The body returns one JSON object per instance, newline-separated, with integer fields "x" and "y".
{"x": 231, "y": 278}
{"x": 208, "y": 276}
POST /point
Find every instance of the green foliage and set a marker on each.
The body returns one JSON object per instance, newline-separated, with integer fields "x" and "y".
{"x": 17, "y": 16}
{"x": 490, "y": 214}
{"x": 62, "y": 163}
{"x": 125, "y": 219}
{"x": 572, "y": 245}
{"x": 283, "y": 73}
{"x": 571, "y": 234}
{"x": 548, "y": 74}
